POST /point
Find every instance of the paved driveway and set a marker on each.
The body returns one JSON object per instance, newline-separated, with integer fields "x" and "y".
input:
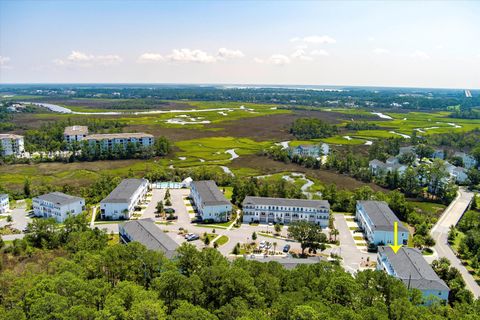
{"x": 439, "y": 232}
{"x": 352, "y": 256}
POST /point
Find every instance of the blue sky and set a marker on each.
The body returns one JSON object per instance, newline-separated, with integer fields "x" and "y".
{"x": 424, "y": 44}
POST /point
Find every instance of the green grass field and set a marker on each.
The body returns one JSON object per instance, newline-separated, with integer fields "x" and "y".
{"x": 222, "y": 240}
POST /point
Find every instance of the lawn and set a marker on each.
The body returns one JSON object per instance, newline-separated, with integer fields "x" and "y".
{"x": 222, "y": 240}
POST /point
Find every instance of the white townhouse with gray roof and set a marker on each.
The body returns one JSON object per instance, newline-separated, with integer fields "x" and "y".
{"x": 146, "y": 232}
{"x": 4, "y": 203}
{"x": 57, "y": 205}
{"x": 209, "y": 201}
{"x": 377, "y": 222}
{"x": 409, "y": 265}
{"x": 121, "y": 202}
{"x": 280, "y": 210}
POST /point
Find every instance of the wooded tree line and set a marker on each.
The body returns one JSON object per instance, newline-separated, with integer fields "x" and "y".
{"x": 312, "y": 128}
{"x": 73, "y": 273}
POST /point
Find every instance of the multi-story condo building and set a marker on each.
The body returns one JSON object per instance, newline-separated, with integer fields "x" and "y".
{"x": 121, "y": 202}
{"x": 11, "y": 144}
{"x": 4, "y": 203}
{"x": 108, "y": 141}
{"x": 149, "y": 234}
{"x": 468, "y": 160}
{"x": 209, "y": 201}
{"x": 57, "y": 205}
{"x": 409, "y": 265}
{"x": 280, "y": 210}
{"x": 377, "y": 221}
{"x": 75, "y": 133}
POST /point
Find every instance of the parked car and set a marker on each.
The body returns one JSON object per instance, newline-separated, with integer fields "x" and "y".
{"x": 262, "y": 244}
{"x": 286, "y": 248}
{"x": 268, "y": 245}
{"x": 169, "y": 210}
{"x": 193, "y": 237}
{"x": 172, "y": 217}
{"x": 188, "y": 235}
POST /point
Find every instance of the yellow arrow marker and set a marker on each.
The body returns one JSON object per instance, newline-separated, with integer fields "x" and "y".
{"x": 395, "y": 247}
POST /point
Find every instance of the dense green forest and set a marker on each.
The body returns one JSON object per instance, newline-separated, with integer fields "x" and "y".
{"x": 312, "y": 128}
{"x": 75, "y": 273}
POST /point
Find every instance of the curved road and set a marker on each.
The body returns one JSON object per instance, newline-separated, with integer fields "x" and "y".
{"x": 439, "y": 232}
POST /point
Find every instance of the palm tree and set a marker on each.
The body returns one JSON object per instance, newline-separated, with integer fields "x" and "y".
{"x": 334, "y": 232}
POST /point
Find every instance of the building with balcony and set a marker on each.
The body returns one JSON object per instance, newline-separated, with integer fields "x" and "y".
{"x": 149, "y": 234}
{"x": 280, "y": 210}
{"x": 57, "y": 205}
{"x": 11, "y": 144}
{"x": 209, "y": 201}
{"x": 121, "y": 202}
{"x": 409, "y": 265}
{"x": 314, "y": 151}
{"x": 4, "y": 203}
{"x": 376, "y": 219}
{"x": 75, "y": 133}
{"x": 108, "y": 141}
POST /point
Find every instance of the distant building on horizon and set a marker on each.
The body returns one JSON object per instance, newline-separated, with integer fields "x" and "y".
{"x": 11, "y": 144}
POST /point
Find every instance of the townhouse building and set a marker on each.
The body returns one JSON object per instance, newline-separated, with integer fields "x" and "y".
{"x": 285, "y": 211}
{"x": 314, "y": 151}
{"x": 377, "y": 222}
{"x": 57, "y": 205}
{"x": 468, "y": 160}
{"x": 146, "y": 232}
{"x": 121, "y": 202}
{"x": 209, "y": 201}
{"x": 4, "y": 203}
{"x": 11, "y": 144}
{"x": 409, "y": 265}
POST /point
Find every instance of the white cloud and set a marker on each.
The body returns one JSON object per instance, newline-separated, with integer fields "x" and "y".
{"x": 371, "y": 39}
{"x": 79, "y": 58}
{"x": 380, "y": 51}
{"x": 319, "y": 52}
{"x": 275, "y": 59}
{"x": 301, "y": 54}
{"x": 150, "y": 57}
{"x": 420, "y": 55}
{"x": 224, "y": 53}
{"x": 4, "y": 62}
{"x": 189, "y": 55}
{"x": 315, "y": 39}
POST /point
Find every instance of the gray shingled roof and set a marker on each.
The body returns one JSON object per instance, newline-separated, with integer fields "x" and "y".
{"x": 263, "y": 201}
{"x": 381, "y": 215}
{"x": 75, "y": 130}
{"x": 411, "y": 267}
{"x": 147, "y": 233}
{"x": 209, "y": 193}
{"x": 124, "y": 191}
{"x": 59, "y": 198}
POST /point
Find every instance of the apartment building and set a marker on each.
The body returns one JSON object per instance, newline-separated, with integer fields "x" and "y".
{"x": 11, "y": 144}
{"x": 75, "y": 133}
{"x": 280, "y": 210}
{"x": 149, "y": 234}
{"x": 209, "y": 201}
{"x": 311, "y": 150}
{"x": 109, "y": 140}
{"x": 377, "y": 221}
{"x": 4, "y": 203}
{"x": 121, "y": 202}
{"x": 57, "y": 205}
{"x": 409, "y": 265}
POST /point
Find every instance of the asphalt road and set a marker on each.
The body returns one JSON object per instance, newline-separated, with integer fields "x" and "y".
{"x": 439, "y": 232}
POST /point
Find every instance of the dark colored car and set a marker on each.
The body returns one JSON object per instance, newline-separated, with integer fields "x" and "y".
{"x": 286, "y": 248}
{"x": 193, "y": 237}
{"x": 169, "y": 210}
